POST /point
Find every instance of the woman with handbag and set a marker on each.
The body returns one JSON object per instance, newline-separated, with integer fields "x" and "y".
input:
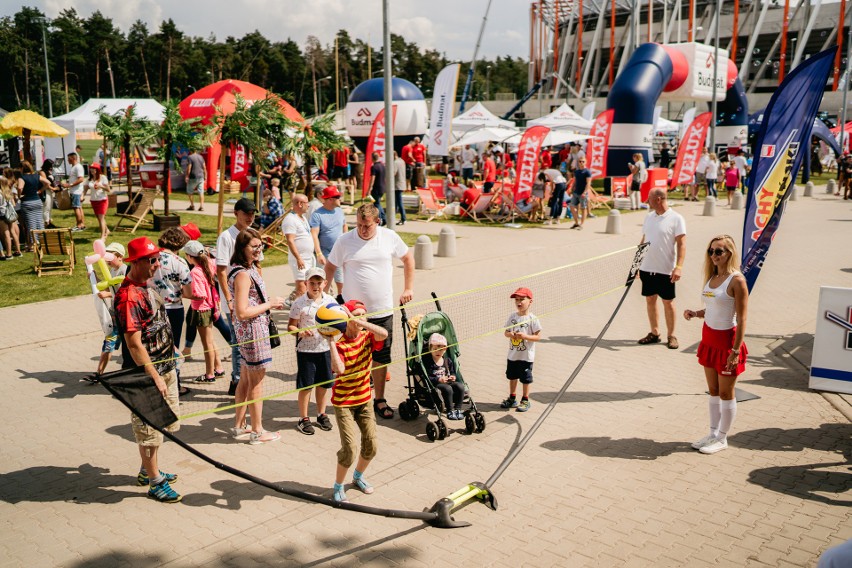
{"x": 255, "y": 332}
{"x": 30, "y": 187}
{"x": 8, "y": 217}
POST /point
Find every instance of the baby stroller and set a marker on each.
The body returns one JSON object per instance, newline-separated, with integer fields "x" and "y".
{"x": 421, "y": 391}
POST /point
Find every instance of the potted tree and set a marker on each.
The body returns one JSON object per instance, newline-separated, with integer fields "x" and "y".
{"x": 255, "y": 126}
{"x": 122, "y": 130}
{"x": 312, "y": 142}
{"x": 176, "y": 132}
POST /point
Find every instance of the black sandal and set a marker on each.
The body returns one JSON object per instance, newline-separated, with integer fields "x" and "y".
{"x": 385, "y": 412}
{"x": 649, "y": 339}
{"x": 92, "y": 378}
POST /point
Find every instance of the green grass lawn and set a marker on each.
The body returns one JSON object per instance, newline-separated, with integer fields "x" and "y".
{"x": 22, "y": 286}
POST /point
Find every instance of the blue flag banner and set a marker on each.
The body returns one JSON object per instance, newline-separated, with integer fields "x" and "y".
{"x": 782, "y": 143}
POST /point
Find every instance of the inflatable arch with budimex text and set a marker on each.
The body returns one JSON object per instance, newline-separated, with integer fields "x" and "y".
{"x": 673, "y": 72}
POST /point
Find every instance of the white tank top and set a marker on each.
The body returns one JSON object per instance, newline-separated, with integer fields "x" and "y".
{"x": 719, "y": 312}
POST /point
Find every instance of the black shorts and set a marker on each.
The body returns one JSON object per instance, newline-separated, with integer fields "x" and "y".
{"x": 383, "y": 355}
{"x": 340, "y": 172}
{"x": 520, "y": 370}
{"x": 314, "y": 369}
{"x": 656, "y": 284}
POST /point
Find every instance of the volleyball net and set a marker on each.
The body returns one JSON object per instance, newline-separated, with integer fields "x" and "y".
{"x": 476, "y": 313}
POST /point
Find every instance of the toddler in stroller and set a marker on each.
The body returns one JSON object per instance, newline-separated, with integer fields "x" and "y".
{"x": 441, "y": 372}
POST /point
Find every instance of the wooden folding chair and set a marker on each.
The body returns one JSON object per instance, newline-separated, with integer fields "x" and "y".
{"x": 512, "y": 209}
{"x": 139, "y": 213}
{"x": 429, "y": 204}
{"x": 480, "y": 208}
{"x": 54, "y": 251}
{"x": 597, "y": 200}
{"x": 273, "y": 237}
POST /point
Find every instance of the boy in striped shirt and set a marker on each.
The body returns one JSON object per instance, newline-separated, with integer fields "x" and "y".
{"x": 351, "y": 361}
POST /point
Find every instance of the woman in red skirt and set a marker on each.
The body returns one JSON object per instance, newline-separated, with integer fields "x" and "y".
{"x": 722, "y": 351}
{"x": 98, "y": 185}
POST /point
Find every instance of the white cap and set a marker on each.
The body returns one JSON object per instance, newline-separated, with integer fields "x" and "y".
{"x": 193, "y": 248}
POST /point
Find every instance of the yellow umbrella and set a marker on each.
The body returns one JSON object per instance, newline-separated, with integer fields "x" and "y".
{"x": 25, "y": 123}
{"x": 15, "y": 123}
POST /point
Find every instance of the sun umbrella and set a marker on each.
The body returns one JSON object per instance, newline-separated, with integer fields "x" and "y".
{"x": 16, "y": 123}
{"x": 25, "y": 123}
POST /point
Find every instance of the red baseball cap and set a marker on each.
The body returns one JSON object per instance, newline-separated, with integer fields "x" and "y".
{"x": 192, "y": 231}
{"x": 353, "y": 305}
{"x": 141, "y": 247}
{"x": 95, "y": 167}
{"x": 522, "y": 293}
{"x": 329, "y": 192}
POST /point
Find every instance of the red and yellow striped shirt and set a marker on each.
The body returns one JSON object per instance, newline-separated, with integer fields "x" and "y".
{"x": 353, "y": 387}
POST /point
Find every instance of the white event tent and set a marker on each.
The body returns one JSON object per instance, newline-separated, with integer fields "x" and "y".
{"x": 479, "y": 117}
{"x": 83, "y": 120}
{"x": 563, "y": 117}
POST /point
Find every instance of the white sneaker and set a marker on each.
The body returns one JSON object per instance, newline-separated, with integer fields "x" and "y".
{"x": 703, "y": 442}
{"x": 714, "y": 446}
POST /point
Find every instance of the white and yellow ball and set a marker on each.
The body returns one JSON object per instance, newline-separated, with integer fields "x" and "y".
{"x": 331, "y": 318}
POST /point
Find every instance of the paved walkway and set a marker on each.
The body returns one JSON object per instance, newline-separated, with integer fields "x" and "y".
{"x": 609, "y": 480}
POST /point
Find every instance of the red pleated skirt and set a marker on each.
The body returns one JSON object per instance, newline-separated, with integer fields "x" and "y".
{"x": 714, "y": 348}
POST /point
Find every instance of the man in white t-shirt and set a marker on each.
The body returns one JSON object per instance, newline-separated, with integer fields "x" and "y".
{"x": 366, "y": 256}
{"x": 244, "y": 211}
{"x": 742, "y": 166}
{"x": 468, "y": 159}
{"x": 297, "y": 231}
{"x": 665, "y": 230}
{"x": 74, "y": 185}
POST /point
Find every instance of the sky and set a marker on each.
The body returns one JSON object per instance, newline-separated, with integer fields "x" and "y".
{"x": 450, "y": 26}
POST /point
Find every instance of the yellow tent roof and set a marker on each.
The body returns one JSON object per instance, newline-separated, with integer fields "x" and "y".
{"x": 16, "y": 122}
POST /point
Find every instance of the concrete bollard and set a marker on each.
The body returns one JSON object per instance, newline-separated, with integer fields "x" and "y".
{"x": 447, "y": 242}
{"x": 831, "y": 187}
{"x": 809, "y": 189}
{"x": 737, "y": 200}
{"x": 423, "y": 253}
{"x": 613, "y": 222}
{"x": 710, "y": 206}
{"x": 794, "y": 192}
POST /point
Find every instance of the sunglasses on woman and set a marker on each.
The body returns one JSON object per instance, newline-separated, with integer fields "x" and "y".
{"x": 715, "y": 252}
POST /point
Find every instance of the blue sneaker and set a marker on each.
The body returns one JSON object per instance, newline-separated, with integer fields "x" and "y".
{"x": 142, "y": 478}
{"x": 164, "y": 493}
{"x": 523, "y": 406}
{"x": 510, "y": 402}
{"x": 340, "y": 494}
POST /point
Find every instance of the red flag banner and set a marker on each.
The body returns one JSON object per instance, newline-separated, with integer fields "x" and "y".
{"x": 528, "y": 151}
{"x": 239, "y": 163}
{"x": 122, "y": 164}
{"x": 596, "y": 150}
{"x": 376, "y": 143}
{"x": 689, "y": 150}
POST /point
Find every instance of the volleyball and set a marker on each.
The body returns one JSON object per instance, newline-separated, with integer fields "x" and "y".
{"x": 331, "y": 318}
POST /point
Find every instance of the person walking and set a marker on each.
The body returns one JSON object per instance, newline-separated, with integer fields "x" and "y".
{"x": 74, "y": 185}
{"x": 99, "y": 186}
{"x": 377, "y": 185}
{"x": 196, "y": 172}
{"x": 300, "y": 243}
{"x": 141, "y": 318}
{"x": 722, "y": 351}
{"x": 399, "y": 182}
{"x": 665, "y": 230}
{"x": 252, "y": 307}
{"x": 366, "y": 256}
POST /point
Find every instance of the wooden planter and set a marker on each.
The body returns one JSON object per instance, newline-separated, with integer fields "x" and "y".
{"x": 162, "y": 222}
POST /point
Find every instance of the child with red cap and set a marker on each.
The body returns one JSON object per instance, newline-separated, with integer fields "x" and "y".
{"x": 523, "y": 330}
{"x": 351, "y": 361}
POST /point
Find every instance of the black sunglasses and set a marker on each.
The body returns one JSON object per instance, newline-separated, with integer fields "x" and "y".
{"x": 715, "y": 252}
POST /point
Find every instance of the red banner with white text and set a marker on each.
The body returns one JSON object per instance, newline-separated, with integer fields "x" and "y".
{"x": 239, "y": 165}
{"x": 689, "y": 150}
{"x": 596, "y": 149}
{"x": 528, "y": 151}
{"x": 376, "y": 143}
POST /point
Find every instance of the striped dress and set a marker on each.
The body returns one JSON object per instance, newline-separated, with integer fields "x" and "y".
{"x": 353, "y": 387}
{"x": 252, "y": 334}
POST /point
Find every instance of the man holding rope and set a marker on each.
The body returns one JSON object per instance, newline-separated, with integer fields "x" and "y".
{"x": 141, "y": 317}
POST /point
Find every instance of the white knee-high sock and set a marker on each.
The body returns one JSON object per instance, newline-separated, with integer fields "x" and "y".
{"x": 715, "y": 414}
{"x": 729, "y": 412}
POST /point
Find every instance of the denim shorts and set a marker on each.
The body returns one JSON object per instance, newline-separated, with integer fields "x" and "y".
{"x": 76, "y": 201}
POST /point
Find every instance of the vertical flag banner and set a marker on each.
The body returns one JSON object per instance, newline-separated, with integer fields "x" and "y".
{"x": 689, "y": 150}
{"x": 596, "y": 149}
{"x": 783, "y": 140}
{"x": 527, "y": 166}
{"x": 589, "y": 111}
{"x": 443, "y": 99}
{"x": 376, "y": 143}
{"x": 688, "y": 117}
{"x": 239, "y": 165}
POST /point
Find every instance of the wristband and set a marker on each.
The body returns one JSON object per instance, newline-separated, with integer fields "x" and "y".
{"x": 679, "y": 267}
